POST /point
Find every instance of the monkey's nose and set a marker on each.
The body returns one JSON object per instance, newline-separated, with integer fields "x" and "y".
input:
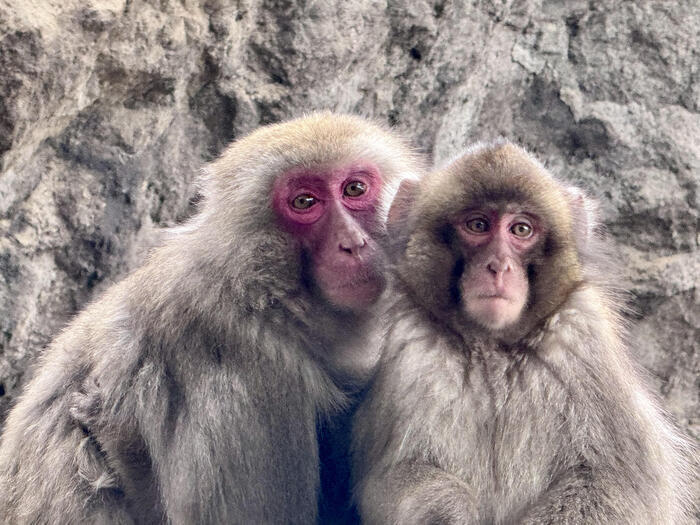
{"x": 498, "y": 266}
{"x": 353, "y": 247}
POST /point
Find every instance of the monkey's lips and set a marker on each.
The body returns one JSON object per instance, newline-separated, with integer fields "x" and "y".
{"x": 352, "y": 290}
{"x": 492, "y": 310}
{"x": 492, "y": 305}
{"x": 495, "y": 297}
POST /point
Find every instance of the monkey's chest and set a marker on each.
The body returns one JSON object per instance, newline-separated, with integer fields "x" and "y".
{"x": 511, "y": 426}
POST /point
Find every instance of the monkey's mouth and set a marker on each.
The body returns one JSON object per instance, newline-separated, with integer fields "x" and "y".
{"x": 357, "y": 281}
{"x": 360, "y": 284}
{"x": 496, "y": 296}
{"x": 353, "y": 291}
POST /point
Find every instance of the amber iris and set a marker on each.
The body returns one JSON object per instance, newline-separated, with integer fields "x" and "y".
{"x": 303, "y": 202}
{"x": 355, "y": 188}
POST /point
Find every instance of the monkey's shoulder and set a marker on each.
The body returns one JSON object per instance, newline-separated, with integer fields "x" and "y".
{"x": 586, "y": 326}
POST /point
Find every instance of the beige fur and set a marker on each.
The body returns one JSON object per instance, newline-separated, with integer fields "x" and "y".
{"x": 548, "y": 422}
{"x": 191, "y": 391}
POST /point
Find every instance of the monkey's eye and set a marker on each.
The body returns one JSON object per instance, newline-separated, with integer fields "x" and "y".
{"x": 355, "y": 188}
{"x": 522, "y": 230}
{"x": 478, "y": 225}
{"x": 303, "y": 202}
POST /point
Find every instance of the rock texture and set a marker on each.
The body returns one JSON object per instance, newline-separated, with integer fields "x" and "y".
{"x": 108, "y": 108}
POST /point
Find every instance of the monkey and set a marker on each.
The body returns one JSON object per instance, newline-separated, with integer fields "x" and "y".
{"x": 191, "y": 391}
{"x": 505, "y": 392}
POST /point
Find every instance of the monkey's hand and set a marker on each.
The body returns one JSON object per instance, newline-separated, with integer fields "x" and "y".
{"x": 416, "y": 493}
{"x": 576, "y": 497}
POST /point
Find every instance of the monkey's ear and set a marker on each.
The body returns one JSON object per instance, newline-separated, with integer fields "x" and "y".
{"x": 402, "y": 203}
{"x": 584, "y": 215}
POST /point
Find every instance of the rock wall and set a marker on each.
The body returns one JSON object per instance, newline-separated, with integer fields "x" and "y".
{"x": 109, "y": 107}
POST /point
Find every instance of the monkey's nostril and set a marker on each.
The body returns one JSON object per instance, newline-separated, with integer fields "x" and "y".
{"x": 498, "y": 267}
{"x": 353, "y": 248}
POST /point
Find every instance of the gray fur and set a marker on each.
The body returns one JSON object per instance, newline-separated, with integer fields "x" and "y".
{"x": 556, "y": 427}
{"x": 190, "y": 391}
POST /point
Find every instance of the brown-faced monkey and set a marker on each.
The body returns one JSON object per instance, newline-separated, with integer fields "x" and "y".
{"x": 190, "y": 392}
{"x": 505, "y": 393}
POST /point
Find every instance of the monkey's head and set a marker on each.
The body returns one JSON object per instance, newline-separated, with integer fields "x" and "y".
{"x": 302, "y": 208}
{"x": 491, "y": 242}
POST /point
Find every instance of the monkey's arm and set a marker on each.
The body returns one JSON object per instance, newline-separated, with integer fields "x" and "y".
{"x": 626, "y": 479}
{"x": 397, "y": 435}
{"x": 51, "y": 468}
{"x": 213, "y": 446}
{"x": 623, "y": 462}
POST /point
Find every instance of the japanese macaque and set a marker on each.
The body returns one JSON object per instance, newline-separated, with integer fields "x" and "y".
{"x": 191, "y": 391}
{"x": 505, "y": 393}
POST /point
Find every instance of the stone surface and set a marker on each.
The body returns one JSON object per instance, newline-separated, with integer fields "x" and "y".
{"x": 108, "y": 108}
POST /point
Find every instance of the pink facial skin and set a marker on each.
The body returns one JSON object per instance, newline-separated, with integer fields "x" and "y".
{"x": 332, "y": 213}
{"x": 494, "y": 287}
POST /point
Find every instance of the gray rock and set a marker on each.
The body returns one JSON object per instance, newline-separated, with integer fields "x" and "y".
{"x": 109, "y": 108}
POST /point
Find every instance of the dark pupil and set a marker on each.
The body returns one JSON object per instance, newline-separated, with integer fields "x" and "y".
{"x": 303, "y": 201}
{"x": 522, "y": 229}
{"x": 355, "y": 189}
{"x": 478, "y": 225}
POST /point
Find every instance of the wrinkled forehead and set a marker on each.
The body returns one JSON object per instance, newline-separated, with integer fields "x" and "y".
{"x": 453, "y": 192}
{"x": 320, "y": 153}
{"x": 504, "y": 198}
{"x": 324, "y": 176}
{"x": 500, "y": 207}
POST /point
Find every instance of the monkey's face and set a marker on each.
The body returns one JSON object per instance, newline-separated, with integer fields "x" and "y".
{"x": 497, "y": 244}
{"x": 491, "y": 242}
{"x": 332, "y": 214}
